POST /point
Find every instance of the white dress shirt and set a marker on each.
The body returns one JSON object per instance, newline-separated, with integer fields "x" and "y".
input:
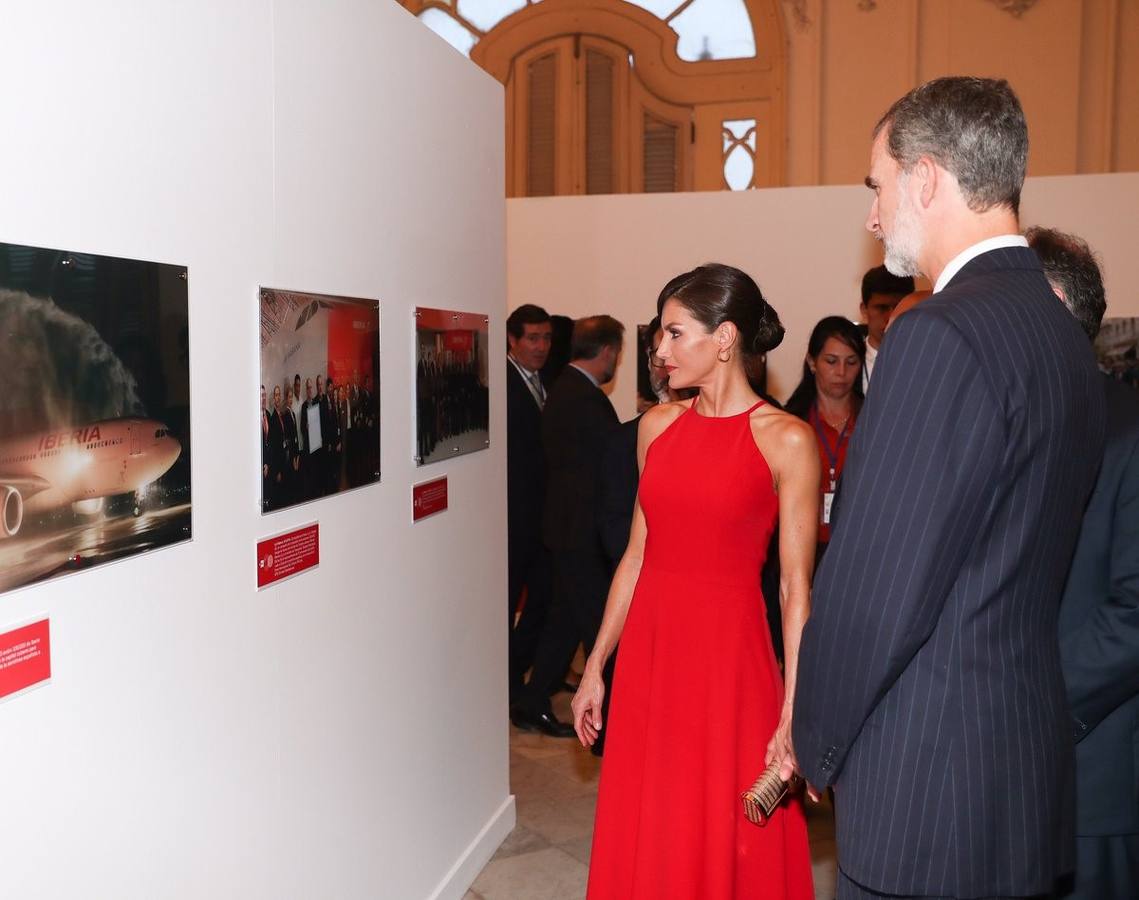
{"x": 969, "y": 253}
{"x": 868, "y": 367}
{"x": 532, "y": 380}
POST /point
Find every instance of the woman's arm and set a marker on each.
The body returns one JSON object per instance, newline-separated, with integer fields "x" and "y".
{"x": 797, "y": 474}
{"x": 587, "y": 700}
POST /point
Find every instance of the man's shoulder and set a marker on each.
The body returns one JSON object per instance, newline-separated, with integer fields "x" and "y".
{"x": 1122, "y": 410}
{"x": 514, "y": 382}
{"x": 993, "y": 311}
{"x": 624, "y": 435}
{"x": 571, "y": 384}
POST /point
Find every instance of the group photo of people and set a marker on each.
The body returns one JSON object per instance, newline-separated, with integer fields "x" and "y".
{"x": 908, "y": 591}
{"x": 320, "y": 403}
{"x": 452, "y": 394}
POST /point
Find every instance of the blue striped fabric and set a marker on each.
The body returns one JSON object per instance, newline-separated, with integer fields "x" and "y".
{"x": 930, "y": 691}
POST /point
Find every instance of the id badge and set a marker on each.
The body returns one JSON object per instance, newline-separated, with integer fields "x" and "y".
{"x": 828, "y": 499}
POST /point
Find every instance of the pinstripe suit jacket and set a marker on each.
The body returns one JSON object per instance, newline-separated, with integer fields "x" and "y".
{"x": 930, "y": 691}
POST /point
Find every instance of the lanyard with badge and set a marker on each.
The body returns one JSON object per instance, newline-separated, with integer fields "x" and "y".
{"x": 832, "y": 459}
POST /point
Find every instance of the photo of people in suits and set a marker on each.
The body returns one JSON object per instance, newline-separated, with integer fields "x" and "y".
{"x": 452, "y": 387}
{"x": 320, "y": 400}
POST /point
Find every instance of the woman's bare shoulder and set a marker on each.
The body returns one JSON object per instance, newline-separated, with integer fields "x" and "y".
{"x": 780, "y": 434}
{"x": 657, "y": 419}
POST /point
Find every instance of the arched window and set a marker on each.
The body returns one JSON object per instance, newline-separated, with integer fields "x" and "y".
{"x": 609, "y": 96}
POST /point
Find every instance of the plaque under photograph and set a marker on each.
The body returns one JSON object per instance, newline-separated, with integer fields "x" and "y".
{"x": 95, "y": 411}
{"x": 320, "y": 396}
{"x": 452, "y": 396}
{"x": 1117, "y": 349}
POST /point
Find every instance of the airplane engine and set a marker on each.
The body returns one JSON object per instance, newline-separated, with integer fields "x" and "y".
{"x": 11, "y": 511}
{"x": 88, "y": 507}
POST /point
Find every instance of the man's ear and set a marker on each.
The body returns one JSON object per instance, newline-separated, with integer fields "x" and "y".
{"x": 928, "y": 176}
{"x": 1060, "y": 293}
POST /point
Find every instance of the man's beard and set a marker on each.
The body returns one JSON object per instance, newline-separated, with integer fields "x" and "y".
{"x": 904, "y": 245}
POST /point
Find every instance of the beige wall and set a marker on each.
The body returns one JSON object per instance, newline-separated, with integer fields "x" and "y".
{"x": 1074, "y": 63}
{"x": 805, "y": 246}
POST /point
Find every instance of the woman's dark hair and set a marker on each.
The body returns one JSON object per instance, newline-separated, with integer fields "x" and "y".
{"x": 714, "y": 294}
{"x": 801, "y": 401}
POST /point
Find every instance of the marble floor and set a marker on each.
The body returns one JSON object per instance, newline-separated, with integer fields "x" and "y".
{"x": 546, "y": 857}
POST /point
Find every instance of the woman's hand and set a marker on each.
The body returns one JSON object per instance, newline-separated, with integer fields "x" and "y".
{"x": 586, "y": 707}
{"x": 779, "y": 747}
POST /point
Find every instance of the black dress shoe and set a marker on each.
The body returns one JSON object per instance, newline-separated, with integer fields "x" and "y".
{"x": 525, "y": 720}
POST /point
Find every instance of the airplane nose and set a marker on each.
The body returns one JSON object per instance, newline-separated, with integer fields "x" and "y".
{"x": 171, "y": 450}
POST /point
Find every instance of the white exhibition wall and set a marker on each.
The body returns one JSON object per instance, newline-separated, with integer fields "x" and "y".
{"x": 341, "y": 734}
{"x": 806, "y": 247}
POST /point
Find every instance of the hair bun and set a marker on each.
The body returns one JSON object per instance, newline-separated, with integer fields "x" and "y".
{"x": 767, "y": 337}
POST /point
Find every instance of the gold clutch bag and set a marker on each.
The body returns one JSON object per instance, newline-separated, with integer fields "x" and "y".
{"x": 763, "y": 797}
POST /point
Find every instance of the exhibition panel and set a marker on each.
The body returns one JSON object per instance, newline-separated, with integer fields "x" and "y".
{"x": 214, "y": 173}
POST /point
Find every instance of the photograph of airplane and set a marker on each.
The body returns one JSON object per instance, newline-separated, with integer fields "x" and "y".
{"x": 94, "y": 435}
{"x": 82, "y": 468}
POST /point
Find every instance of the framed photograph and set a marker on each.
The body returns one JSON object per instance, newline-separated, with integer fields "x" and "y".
{"x": 320, "y": 396}
{"x": 1117, "y": 349}
{"x": 95, "y": 414}
{"x": 452, "y": 396}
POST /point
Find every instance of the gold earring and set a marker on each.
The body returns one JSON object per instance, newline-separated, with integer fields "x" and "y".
{"x": 724, "y": 355}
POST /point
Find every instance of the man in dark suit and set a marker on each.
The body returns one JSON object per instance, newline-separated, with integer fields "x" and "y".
{"x": 333, "y": 437}
{"x": 266, "y": 457}
{"x": 929, "y": 687}
{"x": 310, "y": 459}
{"x": 575, "y": 422}
{"x": 278, "y": 454}
{"x": 1099, "y": 613}
{"x": 528, "y": 333}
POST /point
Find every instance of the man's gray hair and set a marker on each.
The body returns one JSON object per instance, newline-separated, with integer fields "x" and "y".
{"x": 972, "y": 127}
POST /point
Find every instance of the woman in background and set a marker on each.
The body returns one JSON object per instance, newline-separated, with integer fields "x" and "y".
{"x": 829, "y": 398}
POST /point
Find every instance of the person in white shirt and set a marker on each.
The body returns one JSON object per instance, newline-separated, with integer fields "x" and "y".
{"x": 881, "y": 292}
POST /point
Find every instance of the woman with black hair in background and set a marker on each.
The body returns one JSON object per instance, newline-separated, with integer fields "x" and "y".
{"x": 829, "y": 397}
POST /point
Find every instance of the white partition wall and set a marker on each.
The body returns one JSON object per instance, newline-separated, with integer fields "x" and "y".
{"x": 806, "y": 247}
{"x": 341, "y": 734}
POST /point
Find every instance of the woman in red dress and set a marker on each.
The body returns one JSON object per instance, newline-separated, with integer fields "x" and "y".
{"x": 699, "y": 707}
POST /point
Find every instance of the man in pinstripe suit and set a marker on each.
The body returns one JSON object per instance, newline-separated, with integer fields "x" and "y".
{"x": 930, "y": 692}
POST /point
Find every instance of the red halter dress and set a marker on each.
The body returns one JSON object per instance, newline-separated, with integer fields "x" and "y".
{"x": 697, "y": 691}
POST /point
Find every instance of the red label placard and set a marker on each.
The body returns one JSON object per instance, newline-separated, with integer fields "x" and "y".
{"x": 428, "y": 498}
{"x": 25, "y": 657}
{"x": 287, "y": 554}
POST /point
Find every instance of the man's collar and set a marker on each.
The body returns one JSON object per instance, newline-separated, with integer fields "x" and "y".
{"x": 970, "y": 253}
{"x": 592, "y": 380}
{"x": 526, "y": 373}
